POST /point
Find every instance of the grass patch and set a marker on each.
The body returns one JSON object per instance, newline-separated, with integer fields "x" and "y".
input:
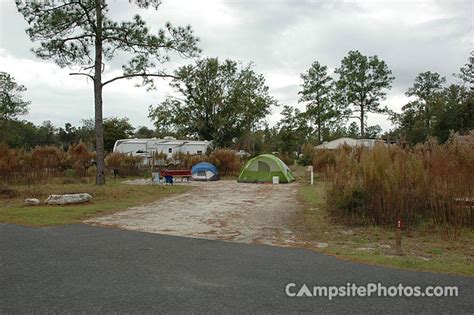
{"x": 424, "y": 250}
{"x": 107, "y": 199}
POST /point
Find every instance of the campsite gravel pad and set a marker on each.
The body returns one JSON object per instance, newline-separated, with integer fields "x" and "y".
{"x": 221, "y": 210}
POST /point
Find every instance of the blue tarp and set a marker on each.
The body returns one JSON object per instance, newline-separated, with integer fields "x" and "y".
{"x": 204, "y": 166}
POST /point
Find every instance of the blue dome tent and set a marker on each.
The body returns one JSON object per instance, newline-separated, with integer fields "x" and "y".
{"x": 204, "y": 171}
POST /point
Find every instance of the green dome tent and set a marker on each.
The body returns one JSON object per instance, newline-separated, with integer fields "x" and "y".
{"x": 262, "y": 168}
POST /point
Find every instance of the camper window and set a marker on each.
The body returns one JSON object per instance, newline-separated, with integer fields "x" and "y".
{"x": 170, "y": 150}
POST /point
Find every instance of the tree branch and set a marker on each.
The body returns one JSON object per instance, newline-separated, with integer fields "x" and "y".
{"x": 80, "y": 73}
{"x": 91, "y": 23}
{"x": 127, "y": 76}
{"x": 67, "y": 39}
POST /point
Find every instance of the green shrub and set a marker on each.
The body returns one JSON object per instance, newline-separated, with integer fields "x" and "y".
{"x": 307, "y": 155}
{"x": 70, "y": 173}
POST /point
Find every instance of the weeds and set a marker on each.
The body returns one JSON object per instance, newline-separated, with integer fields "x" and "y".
{"x": 383, "y": 184}
{"x": 227, "y": 162}
{"x": 125, "y": 164}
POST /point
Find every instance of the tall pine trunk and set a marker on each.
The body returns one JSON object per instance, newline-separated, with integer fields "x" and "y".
{"x": 99, "y": 129}
{"x": 362, "y": 122}
{"x": 319, "y": 130}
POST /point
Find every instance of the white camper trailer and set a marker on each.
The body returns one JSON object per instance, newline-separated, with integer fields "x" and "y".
{"x": 169, "y": 145}
{"x": 365, "y": 143}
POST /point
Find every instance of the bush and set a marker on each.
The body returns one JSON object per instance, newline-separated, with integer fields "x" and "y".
{"x": 70, "y": 173}
{"x": 125, "y": 164}
{"x": 195, "y": 159}
{"x": 380, "y": 185}
{"x": 287, "y": 159}
{"x": 323, "y": 158}
{"x": 48, "y": 160}
{"x": 91, "y": 171}
{"x": 226, "y": 161}
{"x": 13, "y": 163}
{"x": 80, "y": 158}
{"x": 45, "y": 162}
{"x": 185, "y": 160}
{"x": 38, "y": 165}
{"x": 307, "y": 154}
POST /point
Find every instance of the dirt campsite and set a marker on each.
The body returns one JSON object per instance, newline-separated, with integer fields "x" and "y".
{"x": 222, "y": 210}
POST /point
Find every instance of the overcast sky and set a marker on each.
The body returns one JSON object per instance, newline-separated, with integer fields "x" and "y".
{"x": 281, "y": 37}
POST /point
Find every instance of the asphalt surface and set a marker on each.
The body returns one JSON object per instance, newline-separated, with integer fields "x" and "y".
{"x": 81, "y": 268}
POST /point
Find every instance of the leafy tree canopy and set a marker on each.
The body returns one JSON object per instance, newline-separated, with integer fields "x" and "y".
{"x": 426, "y": 86}
{"x": 144, "y": 132}
{"x": 363, "y": 83}
{"x": 437, "y": 110}
{"x": 114, "y": 129}
{"x": 69, "y": 33}
{"x": 81, "y": 34}
{"x": 317, "y": 92}
{"x": 218, "y": 101}
{"x": 466, "y": 73}
{"x": 293, "y": 130}
{"x": 12, "y": 103}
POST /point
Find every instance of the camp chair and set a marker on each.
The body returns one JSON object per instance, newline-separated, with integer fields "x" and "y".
{"x": 169, "y": 180}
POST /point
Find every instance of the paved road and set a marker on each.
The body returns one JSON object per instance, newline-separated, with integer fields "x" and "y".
{"x": 93, "y": 269}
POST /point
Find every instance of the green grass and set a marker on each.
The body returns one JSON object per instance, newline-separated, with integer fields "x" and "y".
{"x": 106, "y": 199}
{"x": 425, "y": 250}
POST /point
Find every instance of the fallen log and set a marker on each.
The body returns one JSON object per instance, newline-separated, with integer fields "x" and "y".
{"x": 68, "y": 199}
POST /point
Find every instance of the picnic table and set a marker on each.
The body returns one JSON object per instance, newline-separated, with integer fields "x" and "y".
{"x": 170, "y": 174}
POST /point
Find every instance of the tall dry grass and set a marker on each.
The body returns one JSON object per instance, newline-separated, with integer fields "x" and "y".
{"x": 42, "y": 163}
{"x": 38, "y": 165}
{"x": 321, "y": 159}
{"x": 14, "y": 164}
{"x": 227, "y": 161}
{"x": 79, "y": 158}
{"x": 125, "y": 164}
{"x": 307, "y": 154}
{"x": 381, "y": 185}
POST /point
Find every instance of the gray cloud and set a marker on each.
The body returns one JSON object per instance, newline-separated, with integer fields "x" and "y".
{"x": 281, "y": 37}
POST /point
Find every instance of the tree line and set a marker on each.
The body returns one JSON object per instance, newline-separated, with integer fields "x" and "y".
{"x": 227, "y": 102}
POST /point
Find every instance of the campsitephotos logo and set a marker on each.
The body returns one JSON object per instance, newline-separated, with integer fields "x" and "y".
{"x": 369, "y": 289}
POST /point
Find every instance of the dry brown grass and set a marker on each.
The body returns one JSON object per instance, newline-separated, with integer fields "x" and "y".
{"x": 227, "y": 162}
{"x": 107, "y": 199}
{"x": 381, "y": 185}
{"x": 37, "y": 166}
{"x": 80, "y": 158}
{"x": 423, "y": 248}
{"x": 125, "y": 164}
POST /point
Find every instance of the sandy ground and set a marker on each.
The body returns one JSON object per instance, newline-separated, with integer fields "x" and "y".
{"x": 222, "y": 210}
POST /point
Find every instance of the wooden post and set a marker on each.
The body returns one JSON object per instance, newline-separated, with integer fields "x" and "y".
{"x": 153, "y": 161}
{"x": 472, "y": 217}
{"x": 398, "y": 240}
{"x": 309, "y": 175}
